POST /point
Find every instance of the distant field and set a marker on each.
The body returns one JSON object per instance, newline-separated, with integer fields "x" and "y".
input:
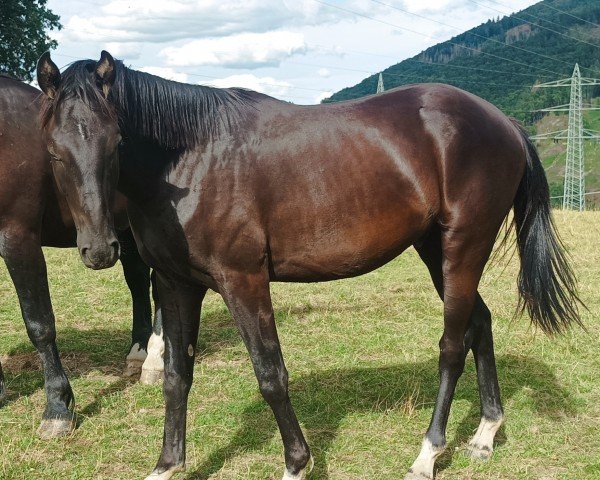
{"x": 362, "y": 357}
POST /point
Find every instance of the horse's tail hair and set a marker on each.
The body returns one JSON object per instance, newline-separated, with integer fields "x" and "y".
{"x": 547, "y": 285}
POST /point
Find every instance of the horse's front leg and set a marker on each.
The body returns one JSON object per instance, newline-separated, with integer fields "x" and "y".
{"x": 137, "y": 276}
{"x": 180, "y": 305}
{"x": 25, "y": 262}
{"x": 249, "y": 301}
{"x": 153, "y": 367}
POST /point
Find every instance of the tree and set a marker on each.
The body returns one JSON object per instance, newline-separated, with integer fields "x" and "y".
{"x": 23, "y": 35}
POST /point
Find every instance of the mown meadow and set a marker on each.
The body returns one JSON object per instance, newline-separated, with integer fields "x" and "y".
{"x": 362, "y": 357}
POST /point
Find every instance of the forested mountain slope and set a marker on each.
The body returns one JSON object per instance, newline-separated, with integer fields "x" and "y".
{"x": 501, "y": 59}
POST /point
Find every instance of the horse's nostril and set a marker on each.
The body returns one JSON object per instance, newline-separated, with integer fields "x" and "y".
{"x": 115, "y": 246}
{"x": 84, "y": 251}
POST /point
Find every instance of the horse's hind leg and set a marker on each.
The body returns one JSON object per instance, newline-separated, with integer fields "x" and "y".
{"x": 482, "y": 444}
{"x": 25, "y": 262}
{"x": 248, "y": 298}
{"x": 137, "y": 276}
{"x": 455, "y": 261}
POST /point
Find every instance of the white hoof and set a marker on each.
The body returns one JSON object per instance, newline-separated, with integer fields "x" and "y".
{"x": 134, "y": 360}
{"x": 416, "y": 476}
{"x": 151, "y": 377}
{"x": 152, "y": 370}
{"x": 422, "y": 468}
{"x": 481, "y": 445}
{"x": 165, "y": 475}
{"x": 302, "y": 474}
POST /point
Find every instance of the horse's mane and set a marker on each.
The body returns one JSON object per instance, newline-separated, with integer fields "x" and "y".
{"x": 171, "y": 114}
{"x": 10, "y": 77}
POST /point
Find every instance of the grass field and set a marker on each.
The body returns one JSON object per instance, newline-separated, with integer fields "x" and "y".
{"x": 362, "y": 357}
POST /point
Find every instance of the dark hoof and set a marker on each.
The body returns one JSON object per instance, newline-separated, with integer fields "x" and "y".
{"x": 416, "y": 476}
{"x": 56, "y": 427}
{"x": 151, "y": 377}
{"x": 478, "y": 453}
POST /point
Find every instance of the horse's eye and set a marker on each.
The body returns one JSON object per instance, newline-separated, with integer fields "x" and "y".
{"x": 53, "y": 156}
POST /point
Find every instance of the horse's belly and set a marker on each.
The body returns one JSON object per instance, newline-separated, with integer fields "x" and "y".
{"x": 345, "y": 250}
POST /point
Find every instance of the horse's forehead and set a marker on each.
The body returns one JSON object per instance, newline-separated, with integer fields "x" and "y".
{"x": 76, "y": 112}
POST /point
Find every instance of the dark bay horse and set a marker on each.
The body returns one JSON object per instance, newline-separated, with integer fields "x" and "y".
{"x": 231, "y": 190}
{"x": 33, "y": 213}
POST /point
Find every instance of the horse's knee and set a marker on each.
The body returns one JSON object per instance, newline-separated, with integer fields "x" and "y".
{"x": 41, "y": 334}
{"x": 452, "y": 357}
{"x": 176, "y": 387}
{"x": 273, "y": 384}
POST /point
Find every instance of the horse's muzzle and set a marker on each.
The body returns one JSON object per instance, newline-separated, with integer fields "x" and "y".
{"x": 102, "y": 255}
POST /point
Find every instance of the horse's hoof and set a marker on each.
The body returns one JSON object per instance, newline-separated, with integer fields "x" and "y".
{"x": 133, "y": 368}
{"x": 56, "y": 427}
{"x": 151, "y": 377}
{"x": 416, "y": 476}
{"x": 167, "y": 474}
{"x": 134, "y": 361}
{"x": 302, "y": 474}
{"x": 478, "y": 453}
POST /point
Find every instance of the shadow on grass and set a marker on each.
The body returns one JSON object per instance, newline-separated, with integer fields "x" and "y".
{"x": 323, "y": 399}
{"x": 83, "y": 352}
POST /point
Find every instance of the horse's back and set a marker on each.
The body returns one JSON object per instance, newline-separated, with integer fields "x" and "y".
{"x": 351, "y": 185}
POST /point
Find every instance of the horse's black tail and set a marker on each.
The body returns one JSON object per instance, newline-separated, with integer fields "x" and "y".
{"x": 547, "y": 285}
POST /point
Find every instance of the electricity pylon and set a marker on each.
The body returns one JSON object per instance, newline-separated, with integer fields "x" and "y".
{"x": 574, "y": 187}
{"x": 380, "y": 87}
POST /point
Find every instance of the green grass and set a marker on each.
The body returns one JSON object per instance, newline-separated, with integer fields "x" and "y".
{"x": 362, "y": 357}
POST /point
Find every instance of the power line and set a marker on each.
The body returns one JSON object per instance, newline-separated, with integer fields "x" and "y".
{"x": 478, "y": 52}
{"x": 534, "y": 24}
{"x": 436, "y": 64}
{"x": 489, "y": 39}
{"x": 544, "y": 4}
{"x": 530, "y": 15}
{"x": 399, "y": 75}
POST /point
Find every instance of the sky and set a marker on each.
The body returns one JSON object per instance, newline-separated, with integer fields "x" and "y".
{"x": 296, "y": 50}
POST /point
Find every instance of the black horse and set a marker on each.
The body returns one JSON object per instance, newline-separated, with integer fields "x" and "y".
{"x": 33, "y": 213}
{"x": 232, "y": 189}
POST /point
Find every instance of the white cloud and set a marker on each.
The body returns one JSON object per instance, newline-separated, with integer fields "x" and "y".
{"x": 348, "y": 45}
{"x": 324, "y": 72}
{"x": 267, "y": 85}
{"x": 165, "y": 72}
{"x": 247, "y": 50}
{"x": 161, "y": 21}
{"x": 323, "y": 96}
{"x": 124, "y": 51}
{"x": 430, "y": 5}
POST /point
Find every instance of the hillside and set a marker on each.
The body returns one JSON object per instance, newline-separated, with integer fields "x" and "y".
{"x": 501, "y": 59}
{"x": 480, "y": 59}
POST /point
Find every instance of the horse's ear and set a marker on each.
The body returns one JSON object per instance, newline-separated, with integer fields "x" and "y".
{"x": 48, "y": 75}
{"x": 105, "y": 72}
